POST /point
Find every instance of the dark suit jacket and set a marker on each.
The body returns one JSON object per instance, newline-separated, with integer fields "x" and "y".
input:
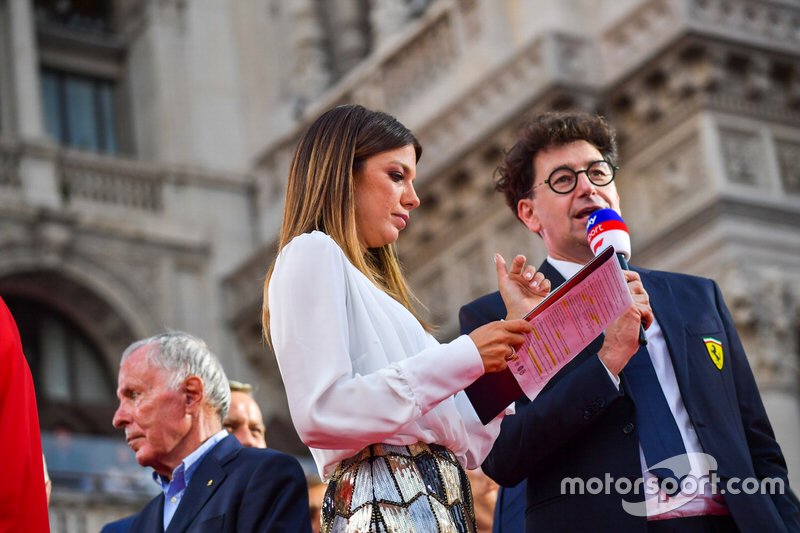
{"x": 509, "y": 509}
{"x": 236, "y": 489}
{"x": 123, "y": 525}
{"x": 581, "y": 426}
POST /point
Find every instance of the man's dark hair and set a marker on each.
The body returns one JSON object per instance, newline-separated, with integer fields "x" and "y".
{"x": 514, "y": 177}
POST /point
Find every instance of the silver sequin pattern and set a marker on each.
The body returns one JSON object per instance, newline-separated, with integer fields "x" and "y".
{"x": 420, "y": 488}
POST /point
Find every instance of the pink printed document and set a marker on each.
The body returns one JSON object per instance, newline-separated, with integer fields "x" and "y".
{"x": 565, "y": 323}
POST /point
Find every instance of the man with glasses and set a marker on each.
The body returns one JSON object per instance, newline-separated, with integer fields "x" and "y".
{"x": 583, "y": 445}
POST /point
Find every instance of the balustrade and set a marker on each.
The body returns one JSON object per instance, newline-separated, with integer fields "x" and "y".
{"x": 110, "y": 183}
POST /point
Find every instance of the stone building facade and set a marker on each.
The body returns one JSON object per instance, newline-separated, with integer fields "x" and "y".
{"x": 144, "y": 146}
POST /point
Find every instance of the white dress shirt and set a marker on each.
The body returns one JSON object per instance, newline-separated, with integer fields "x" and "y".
{"x": 360, "y": 369}
{"x": 706, "y": 502}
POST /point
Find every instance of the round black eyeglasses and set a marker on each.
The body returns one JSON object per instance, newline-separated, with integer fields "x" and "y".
{"x": 563, "y": 180}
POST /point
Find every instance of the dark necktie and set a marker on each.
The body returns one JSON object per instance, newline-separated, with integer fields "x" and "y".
{"x": 658, "y": 432}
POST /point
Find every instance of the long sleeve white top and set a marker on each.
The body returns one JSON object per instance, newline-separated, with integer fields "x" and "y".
{"x": 360, "y": 369}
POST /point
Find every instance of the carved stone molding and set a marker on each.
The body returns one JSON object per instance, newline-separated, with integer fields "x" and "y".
{"x": 640, "y": 34}
{"x": 384, "y": 17}
{"x": 448, "y": 202}
{"x": 789, "y": 164}
{"x": 686, "y": 76}
{"x": 346, "y": 26}
{"x": 765, "y": 305}
{"x": 419, "y": 64}
{"x": 243, "y": 288}
{"x": 471, "y": 15}
{"x": 135, "y": 270}
{"x": 698, "y": 74}
{"x": 106, "y": 326}
{"x": 274, "y": 172}
{"x": 743, "y": 153}
{"x": 554, "y": 61}
{"x": 310, "y": 75}
{"x": 772, "y": 24}
{"x": 134, "y": 273}
{"x": 112, "y": 296}
{"x": 653, "y": 187}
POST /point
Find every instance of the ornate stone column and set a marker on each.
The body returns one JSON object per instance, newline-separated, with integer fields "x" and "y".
{"x": 25, "y": 72}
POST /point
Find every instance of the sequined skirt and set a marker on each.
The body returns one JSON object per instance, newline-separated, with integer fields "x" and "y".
{"x": 420, "y": 488}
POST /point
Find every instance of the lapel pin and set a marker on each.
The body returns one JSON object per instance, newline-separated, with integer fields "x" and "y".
{"x": 210, "y": 481}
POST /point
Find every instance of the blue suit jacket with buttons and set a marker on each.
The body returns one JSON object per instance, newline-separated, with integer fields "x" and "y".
{"x": 581, "y": 426}
{"x": 236, "y": 489}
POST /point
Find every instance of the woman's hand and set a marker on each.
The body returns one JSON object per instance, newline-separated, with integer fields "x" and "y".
{"x": 497, "y": 342}
{"x": 521, "y": 287}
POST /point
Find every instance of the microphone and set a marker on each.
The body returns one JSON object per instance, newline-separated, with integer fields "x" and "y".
{"x": 605, "y": 228}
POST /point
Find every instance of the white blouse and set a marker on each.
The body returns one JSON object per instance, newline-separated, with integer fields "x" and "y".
{"x": 360, "y": 369}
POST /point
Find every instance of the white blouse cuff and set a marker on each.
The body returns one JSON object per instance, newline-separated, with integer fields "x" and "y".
{"x": 454, "y": 366}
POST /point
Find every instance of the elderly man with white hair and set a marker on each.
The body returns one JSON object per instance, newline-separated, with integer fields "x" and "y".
{"x": 173, "y": 398}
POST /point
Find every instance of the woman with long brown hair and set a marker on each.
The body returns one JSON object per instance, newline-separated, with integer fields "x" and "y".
{"x": 377, "y": 399}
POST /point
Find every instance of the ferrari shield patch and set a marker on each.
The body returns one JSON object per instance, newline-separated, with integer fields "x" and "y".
{"x": 714, "y": 348}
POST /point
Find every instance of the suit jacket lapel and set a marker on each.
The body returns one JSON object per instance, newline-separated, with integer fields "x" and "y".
{"x": 665, "y": 307}
{"x": 151, "y": 518}
{"x": 205, "y": 481}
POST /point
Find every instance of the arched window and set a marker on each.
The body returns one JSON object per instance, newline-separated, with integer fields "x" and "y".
{"x": 75, "y": 386}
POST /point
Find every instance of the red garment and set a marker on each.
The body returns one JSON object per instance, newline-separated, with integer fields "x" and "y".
{"x": 23, "y": 505}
